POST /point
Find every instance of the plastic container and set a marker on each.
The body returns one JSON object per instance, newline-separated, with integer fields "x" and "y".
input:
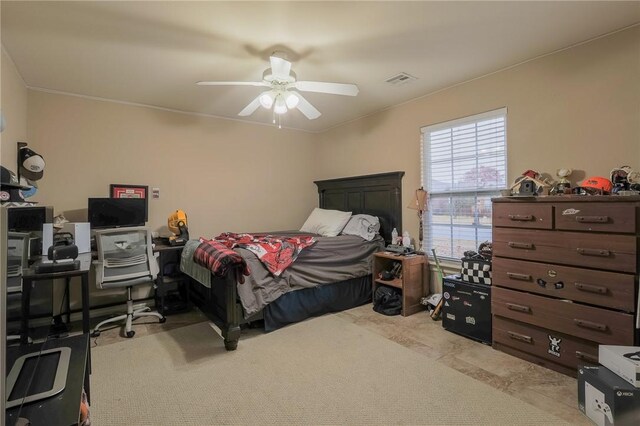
{"x": 394, "y": 236}
{"x": 406, "y": 239}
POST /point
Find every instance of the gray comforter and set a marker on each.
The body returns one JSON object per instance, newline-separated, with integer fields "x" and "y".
{"x": 329, "y": 260}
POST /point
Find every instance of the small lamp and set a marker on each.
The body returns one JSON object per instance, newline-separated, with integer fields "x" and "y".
{"x": 419, "y": 203}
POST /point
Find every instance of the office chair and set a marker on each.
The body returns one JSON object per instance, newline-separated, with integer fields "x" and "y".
{"x": 125, "y": 259}
{"x": 17, "y": 260}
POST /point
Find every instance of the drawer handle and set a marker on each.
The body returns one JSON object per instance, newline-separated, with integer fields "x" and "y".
{"x": 521, "y": 277}
{"x": 592, "y": 219}
{"x": 586, "y": 357}
{"x": 517, "y": 245}
{"x": 521, "y": 337}
{"x": 589, "y": 324}
{"x": 593, "y": 252}
{"x": 519, "y": 308}
{"x": 521, "y": 217}
{"x": 590, "y": 288}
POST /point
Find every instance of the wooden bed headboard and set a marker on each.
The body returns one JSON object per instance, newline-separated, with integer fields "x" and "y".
{"x": 378, "y": 195}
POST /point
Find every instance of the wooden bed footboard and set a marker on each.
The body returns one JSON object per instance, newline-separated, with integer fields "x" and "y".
{"x": 220, "y": 304}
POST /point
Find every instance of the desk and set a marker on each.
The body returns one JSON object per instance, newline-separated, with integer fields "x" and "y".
{"x": 29, "y": 276}
{"x": 63, "y": 408}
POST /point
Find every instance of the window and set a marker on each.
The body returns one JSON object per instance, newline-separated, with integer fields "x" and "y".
{"x": 464, "y": 164}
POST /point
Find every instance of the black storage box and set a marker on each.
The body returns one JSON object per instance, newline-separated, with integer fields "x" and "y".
{"x": 606, "y": 398}
{"x": 467, "y": 309}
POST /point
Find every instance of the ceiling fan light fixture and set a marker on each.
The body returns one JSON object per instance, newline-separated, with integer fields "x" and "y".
{"x": 266, "y": 100}
{"x": 291, "y": 99}
{"x": 279, "y": 80}
{"x": 280, "y": 105}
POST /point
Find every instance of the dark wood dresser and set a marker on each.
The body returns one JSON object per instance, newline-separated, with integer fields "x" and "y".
{"x": 565, "y": 276}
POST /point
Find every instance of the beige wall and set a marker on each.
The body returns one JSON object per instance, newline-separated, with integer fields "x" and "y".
{"x": 226, "y": 175}
{"x": 13, "y": 95}
{"x": 579, "y": 108}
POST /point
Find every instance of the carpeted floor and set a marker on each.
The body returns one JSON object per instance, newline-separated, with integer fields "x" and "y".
{"x": 321, "y": 371}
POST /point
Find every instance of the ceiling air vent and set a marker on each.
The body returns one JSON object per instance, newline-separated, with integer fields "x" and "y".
{"x": 400, "y": 79}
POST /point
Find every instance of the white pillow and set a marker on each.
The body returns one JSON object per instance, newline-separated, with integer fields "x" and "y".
{"x": 362, "y": 225}
{"x": 327, "y": 223}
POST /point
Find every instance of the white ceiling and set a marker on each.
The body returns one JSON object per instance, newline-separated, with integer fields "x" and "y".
{"x": 152, "y": 53}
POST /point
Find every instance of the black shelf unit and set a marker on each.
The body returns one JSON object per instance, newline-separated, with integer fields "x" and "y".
{"x": 172, "y": 286}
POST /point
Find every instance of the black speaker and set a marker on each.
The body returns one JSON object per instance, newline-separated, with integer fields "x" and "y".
{"x": 63, "y": 247}
{"x": 63, "y": 252}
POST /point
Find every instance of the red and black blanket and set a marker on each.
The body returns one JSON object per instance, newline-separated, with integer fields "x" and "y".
{"x": 275, "y": 252}
{"x": 219, "y": 259}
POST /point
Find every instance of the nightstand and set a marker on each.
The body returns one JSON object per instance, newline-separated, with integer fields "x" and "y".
{"x": 413, "y": 281}
{"x": 172, "y": 286}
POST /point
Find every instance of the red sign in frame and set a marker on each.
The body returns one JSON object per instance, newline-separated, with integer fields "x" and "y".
{"x": 128, "y": 191}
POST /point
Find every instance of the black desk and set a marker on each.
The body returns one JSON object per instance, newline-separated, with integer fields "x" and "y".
{"x": 63, "y": 408}
{"x": 29, "y": 276}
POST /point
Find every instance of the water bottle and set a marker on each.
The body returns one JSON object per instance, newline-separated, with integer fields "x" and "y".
{"x": 394, "y": 236}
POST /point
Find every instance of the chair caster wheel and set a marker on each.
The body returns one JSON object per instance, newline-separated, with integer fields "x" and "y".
{"x": 163, "y": 320}
{"x": 95, "y": 333}
{"x": 130, "y": 333}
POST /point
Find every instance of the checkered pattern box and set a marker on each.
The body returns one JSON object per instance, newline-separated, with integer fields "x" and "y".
{"x": 476, "y": 271}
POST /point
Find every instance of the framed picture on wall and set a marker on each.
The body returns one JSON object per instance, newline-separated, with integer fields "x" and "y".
{"x": 117, "y": 190}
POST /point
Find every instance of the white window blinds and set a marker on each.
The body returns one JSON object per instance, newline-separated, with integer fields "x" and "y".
{"x": 464, "y": 164}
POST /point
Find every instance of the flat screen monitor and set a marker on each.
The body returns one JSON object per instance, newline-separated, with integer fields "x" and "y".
{"x": 116, "y": 212}
{"x": 29, "y": 219}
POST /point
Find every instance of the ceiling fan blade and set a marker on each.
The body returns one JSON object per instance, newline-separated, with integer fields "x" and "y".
{"x": 251, "y": 108}
{"x": 322, "y": 87}
{"x": 231, "y": 83}
{"x": 307, "y": 109}
{"x": 280, "y": 68}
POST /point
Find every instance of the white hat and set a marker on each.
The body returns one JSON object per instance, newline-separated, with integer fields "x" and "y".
{"x": 31, "y": 164}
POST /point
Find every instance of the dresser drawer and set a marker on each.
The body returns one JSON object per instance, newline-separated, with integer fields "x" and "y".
{"x": 590, "y": 250}
{"x": 586, "y": 322}
{"x": 596, "y": 217}
{"x": 607, "y": 289}
{"x": 515, "y": 215}
{"x": 544, "y": 343}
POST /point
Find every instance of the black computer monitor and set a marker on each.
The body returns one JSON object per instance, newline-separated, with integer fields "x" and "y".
{"x": 116, "y": 212}
{"x": 29, "y": 219}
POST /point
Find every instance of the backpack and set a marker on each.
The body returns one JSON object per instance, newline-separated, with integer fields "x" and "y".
{"x": 387, "y": 300}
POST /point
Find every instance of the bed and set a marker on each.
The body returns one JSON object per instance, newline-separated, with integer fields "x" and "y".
{"x": 341, "y": 265}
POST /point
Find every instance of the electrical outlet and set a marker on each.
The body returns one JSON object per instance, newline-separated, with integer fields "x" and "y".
{"x": 156, "y": 192}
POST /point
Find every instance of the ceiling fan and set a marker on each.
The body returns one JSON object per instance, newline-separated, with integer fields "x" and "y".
{"x": 281, "y": 82}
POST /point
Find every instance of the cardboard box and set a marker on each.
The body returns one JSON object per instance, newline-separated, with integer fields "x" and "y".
{"x": 81, "y": 232}
{"x": 622, "y": 360}
{"x": 606, "y": 398}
